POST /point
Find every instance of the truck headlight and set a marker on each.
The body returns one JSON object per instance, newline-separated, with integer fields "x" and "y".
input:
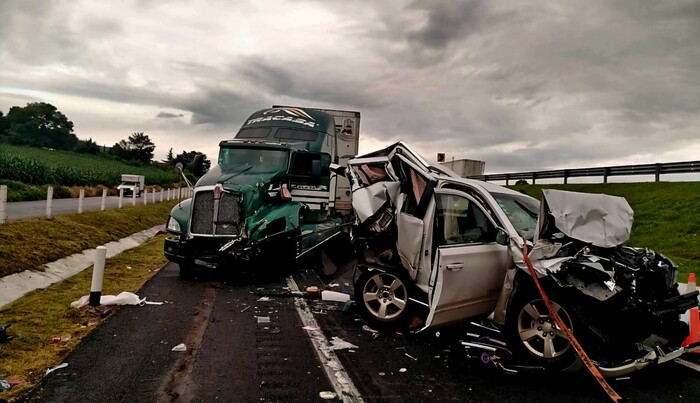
{"x": 172, "y": 225}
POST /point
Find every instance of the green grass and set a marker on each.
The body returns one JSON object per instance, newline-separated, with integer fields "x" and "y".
{"x": 36, "y": 166}
{"x": 44, "y": 314}
{"x": 29, "y": 244}
{"x": 666, "y": 216}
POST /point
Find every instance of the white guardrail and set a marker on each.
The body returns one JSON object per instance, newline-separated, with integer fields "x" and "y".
{"x": 164, "y": 194}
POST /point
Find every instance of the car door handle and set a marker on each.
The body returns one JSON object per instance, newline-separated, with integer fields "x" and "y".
{"x": 455, "y": 266}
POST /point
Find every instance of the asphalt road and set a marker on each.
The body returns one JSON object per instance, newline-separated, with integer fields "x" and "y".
{"x": 233, "y": 358}
{"x": 32, "y": 209}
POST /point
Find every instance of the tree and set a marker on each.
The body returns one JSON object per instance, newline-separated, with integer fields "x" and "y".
{"x": 187, "y": 159}
{"x": 4, "y": 125}
{"x": 138, "y": 147}
{"x": 169, "y": 158}
{"x": 39, "y": 124}
{"x": 87, "y": 147}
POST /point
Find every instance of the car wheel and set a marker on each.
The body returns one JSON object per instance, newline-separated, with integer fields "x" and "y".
{"x": 382, "y": 299}
{"x": 534, "y": 335}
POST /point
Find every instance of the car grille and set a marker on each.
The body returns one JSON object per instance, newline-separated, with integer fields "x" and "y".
{"x": 229, "y": 215}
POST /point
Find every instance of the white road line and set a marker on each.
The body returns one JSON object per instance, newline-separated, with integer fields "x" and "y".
{"x": 338, "y": 377}
{"x": 688, "y": 364}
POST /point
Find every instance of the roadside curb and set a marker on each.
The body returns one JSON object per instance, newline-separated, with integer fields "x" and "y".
{"x": 16, "y": 285}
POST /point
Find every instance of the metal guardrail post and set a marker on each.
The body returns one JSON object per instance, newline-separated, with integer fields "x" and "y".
{"x": 566, "y": 176}
{"x": 657, "y": 172}
{"x": 606, "y": 172}
{"x": 507, "y": 179}
{"x": 534, "y": 177}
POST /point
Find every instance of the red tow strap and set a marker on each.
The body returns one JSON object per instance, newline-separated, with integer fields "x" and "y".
{"x": 579, "y": 350}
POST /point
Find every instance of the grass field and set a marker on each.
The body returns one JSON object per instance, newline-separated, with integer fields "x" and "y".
{"x": 666, "y": 216}
{"x": 36, "y": 166}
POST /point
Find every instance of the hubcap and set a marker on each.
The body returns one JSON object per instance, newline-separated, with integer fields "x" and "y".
{"x": 539, "y": 332}
{"x": 384, "y": 296}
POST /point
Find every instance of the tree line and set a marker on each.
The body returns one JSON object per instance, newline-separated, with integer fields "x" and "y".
{"x": 40, "y": 124}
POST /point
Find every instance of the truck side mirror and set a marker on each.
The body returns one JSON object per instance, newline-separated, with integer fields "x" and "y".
{"x": 179, "y": 167}
{"x": 315, "y": 172}
{"x": 198, "y": 167}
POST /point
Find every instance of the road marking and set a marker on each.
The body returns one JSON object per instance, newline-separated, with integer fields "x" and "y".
{"x": 338, "y": 377}
{"x": 688, "y": 364}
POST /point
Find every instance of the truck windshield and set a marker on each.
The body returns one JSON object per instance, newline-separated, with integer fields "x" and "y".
{"x": 521, "y": 210}
{"x": 254, "y": 160}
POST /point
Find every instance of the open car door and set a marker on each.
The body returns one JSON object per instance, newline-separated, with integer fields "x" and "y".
{"x": 469, "y": 266}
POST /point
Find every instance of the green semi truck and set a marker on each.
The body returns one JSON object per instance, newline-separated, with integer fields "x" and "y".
{"x": 272, "y": 198}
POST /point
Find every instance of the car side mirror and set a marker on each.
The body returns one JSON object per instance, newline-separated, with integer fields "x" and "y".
{"x": 502, "y": 237}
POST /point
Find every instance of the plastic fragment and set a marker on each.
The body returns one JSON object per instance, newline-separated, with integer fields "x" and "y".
{"x": 334, "y": 296}
{"x": 410, "y": 356}
{"x": 246, "y": 308}
{"x": 4, "y": 385}
{"x": 50, "y": 370}
{"x": 263, "y": 319}
{"x": 264, "y": 299}
{"x": 180, "y": 347}
{"x": 326, "y": 395}
{"x": 402, "y": 370}
{"x": 339, "y": 344}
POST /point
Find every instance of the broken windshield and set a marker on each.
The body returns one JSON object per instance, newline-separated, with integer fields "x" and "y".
{"x": 256, "y": 160}
{"x": 521, "y": 210}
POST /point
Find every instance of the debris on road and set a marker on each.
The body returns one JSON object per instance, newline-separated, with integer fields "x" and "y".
{"x": 310, "y": 328}
{"x": 180, "y": 347}
{"x": 334, "y": 296}
{"x": 402, "y": 370}
{"x": 263, "y": 319}
{"x": 264, "y": 299}
{"x": 124, "y": 298}
{"x": 339, "y": 344}
{"x": 5, "y": 385}
{"x": 246, "y": 308}
{"x": 326, "y": 395}
{"x": 50, "y": 370}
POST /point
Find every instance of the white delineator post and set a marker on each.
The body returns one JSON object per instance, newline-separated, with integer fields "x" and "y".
{"x": 168, "y": 194}
{"x": 121, "y": 197}
{"x": 133, "y": 197}
{"x": 104, "y": 200}
{"x": 153, "y": 195}
{"x": 81, "y": 197}
{"x": 144, "y": 194}
{"x": 98, "y": 273}
{"x": 161, "y": 194}
{"x": 49, "y": 198}
{"x": 3, "y": 204}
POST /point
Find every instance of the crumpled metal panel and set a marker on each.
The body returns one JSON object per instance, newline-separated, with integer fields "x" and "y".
{"x": 598, "y": 219}
{"x": 368, "y": 200}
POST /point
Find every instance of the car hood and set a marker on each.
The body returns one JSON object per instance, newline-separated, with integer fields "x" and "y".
{"x": 598, "y": 219}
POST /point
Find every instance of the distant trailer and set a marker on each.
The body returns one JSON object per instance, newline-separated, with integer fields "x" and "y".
{"x": 465, "y": 167}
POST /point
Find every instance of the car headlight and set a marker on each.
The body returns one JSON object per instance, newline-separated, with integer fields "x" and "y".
{"x": 172, "y": 225}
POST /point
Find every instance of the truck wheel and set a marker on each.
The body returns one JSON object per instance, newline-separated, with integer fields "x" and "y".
{"x": 382, "y": 299}
{"x": 187, "y": 270}
{"x": 533, "y": 334}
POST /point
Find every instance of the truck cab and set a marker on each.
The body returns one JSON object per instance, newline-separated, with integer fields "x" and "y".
{"x": 132, "y": 184}
{"x": 272, "y": 195}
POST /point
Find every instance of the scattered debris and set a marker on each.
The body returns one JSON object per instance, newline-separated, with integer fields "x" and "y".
{"x": 124, "y": 298}
{"x": 106, "y": 312}
{"x": 4, "y": 338}
{"x": 339, "y": 344}
{"x": 410, "y": 356}
{"x": 325, "y": 395}
{"x": 263, "y": 319}
{"x": 275, "y": 330}
{"x": 310, "y": 328}
{"x": 4, "y": 385}
{"x": 334, "y": 296}
{"x": 382, "y": 374}
{"x": 180, "y": 347}
{"x": 369, "y": 329}
{"x": 50, "y": 370}
{"x": 246, "y": 308}
{"x": 333, "y": 285}
{"x": 402, "y": 370}
{"x": 264, "y": 299}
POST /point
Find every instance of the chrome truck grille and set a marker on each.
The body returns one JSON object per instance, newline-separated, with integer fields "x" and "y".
{"x": 207, "y": 219}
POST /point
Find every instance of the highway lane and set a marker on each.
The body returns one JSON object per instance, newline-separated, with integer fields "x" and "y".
{"x": 33, "y": 209}
{"x": 235, "y": 355}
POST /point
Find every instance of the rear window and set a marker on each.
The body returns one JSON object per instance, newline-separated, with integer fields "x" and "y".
{"x": 299, "y": 135}
{"x": 253, "y": 133}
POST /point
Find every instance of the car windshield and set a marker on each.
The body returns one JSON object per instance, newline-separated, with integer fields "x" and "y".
{"x": 253, "y": 160}
{"x": 521, "y": 210}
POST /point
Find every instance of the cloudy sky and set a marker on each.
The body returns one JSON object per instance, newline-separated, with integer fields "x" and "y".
{"x": 520, "y": 84}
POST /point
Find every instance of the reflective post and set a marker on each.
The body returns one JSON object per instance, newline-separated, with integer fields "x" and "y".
{"x": 104, "y": 199}
{"x": 49, "y": 197}
{"x": 3, "y": 204}
{"x": 153, "y": 195}
{"x": 121, "y": 197}
{"x": 98, "y": 272}
{"x": 81, "y": 197}
{"x": 161, "y": 195}
{"x": 144, "y": 194}
{"x": 133, "y": 197}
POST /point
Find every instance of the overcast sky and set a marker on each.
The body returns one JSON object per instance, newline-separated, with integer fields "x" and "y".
{"x": 521, "y": 85}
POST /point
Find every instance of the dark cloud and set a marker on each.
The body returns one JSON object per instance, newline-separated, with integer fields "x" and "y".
{"x": 168, "y": 115}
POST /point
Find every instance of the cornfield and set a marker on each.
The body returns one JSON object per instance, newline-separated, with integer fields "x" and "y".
{"x": 38, "y": 166}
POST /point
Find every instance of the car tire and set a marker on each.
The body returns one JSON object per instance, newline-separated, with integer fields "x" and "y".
{"x": 382, "y": 299}
{"x": 533, "y": 334}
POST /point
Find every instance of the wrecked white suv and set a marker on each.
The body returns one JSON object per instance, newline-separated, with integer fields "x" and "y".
{"x": 436, "y": 249}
